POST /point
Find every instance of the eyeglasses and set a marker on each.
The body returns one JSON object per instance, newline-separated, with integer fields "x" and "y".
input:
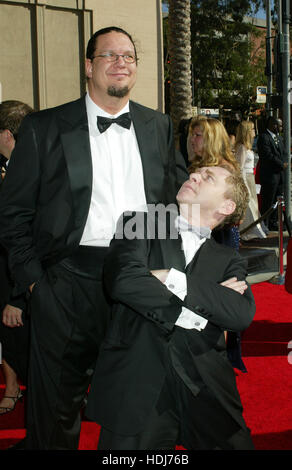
{"x": 112, "y": 57}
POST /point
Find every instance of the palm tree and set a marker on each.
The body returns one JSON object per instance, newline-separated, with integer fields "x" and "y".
{"x": 179, "y": 48}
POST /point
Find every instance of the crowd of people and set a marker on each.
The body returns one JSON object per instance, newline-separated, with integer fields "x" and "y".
{"x": 141, "y": 332}
{"x": 269, "y": 166}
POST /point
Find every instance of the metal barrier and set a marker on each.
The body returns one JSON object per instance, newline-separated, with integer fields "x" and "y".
{"x": 260, "y": 219}
{"x": 280, "y": 206}
{"x": 280, "y": 277}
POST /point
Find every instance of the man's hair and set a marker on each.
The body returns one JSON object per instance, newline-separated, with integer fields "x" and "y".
{"x": 12, "y": 113}
{"x": 238, "y": 193}
{"x": 216, "y": 144}
{"x": 91, "y": 46}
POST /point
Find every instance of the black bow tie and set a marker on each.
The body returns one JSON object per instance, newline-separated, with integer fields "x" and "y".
{"x": 123, "y": 120}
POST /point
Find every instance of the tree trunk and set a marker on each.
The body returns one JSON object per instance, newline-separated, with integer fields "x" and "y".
{"x": 179, "y": 48}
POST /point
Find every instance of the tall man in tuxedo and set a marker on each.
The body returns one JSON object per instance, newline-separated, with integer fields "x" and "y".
{"x": 163, "y": 376}
{"x": 272, "y": 163}
{"x": 72, "y": 174}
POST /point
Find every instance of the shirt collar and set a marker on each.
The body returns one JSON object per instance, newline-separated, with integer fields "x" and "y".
{"x": 182, "y": 225}
{"x": 94, "y": 110}
{"x": 272, "y": 133}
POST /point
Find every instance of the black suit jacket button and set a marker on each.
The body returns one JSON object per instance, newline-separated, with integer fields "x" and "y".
{"x": 200, "y": 310}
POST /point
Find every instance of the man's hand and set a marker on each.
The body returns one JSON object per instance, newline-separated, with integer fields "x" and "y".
{"x": 161, "y": 274}
{"x": 12, "y": 316}
{"x": 233, "y": 283}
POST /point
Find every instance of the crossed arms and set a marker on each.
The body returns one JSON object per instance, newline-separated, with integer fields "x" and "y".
{"x": 229, "y": 304}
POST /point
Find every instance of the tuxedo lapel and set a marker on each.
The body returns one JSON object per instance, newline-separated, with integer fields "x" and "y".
{"x": 76, "y": 147}
{"x": 205, "y": 252}
{"x": 172, "y": 254}
{"x": 277, "y": 148}
{"x": 146, "y": 133}
{"x": 166, "y": 252}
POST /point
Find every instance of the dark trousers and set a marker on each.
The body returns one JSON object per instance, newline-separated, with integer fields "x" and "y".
{"x": 270, "y": 190}
{"x": 180, "y": 418}
{"x": 69, "y": 316}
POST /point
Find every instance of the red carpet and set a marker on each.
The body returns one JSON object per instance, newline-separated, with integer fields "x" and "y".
{"x": 265, "y": 390}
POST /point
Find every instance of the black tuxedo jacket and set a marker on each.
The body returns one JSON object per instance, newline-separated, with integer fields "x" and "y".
{"x": 272, "y": 157}
{"x": 6, "y": 286}
{"x": 131, "y": 367}
{"x": 47, "y": 191}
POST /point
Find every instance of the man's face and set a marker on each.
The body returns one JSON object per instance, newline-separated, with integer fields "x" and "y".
{"x": 7, "y": 142}
{"x": 197, "y": 140}
{"x": 205, "y": 187}
{"x": 111, "y": 78}
{"x": 274, "y": 126}
{"x": 2, "y": 141}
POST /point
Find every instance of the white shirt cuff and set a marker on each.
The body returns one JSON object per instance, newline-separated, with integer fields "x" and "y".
{"x": 176, "y": 282}
{"x": 191, "y": 320}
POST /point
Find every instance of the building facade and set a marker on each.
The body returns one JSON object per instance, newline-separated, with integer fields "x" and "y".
{"x": 43, "y": 44}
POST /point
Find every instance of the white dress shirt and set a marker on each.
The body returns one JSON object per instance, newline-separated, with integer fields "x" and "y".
{"x": 176, "y": 281}
{"x": 117, "y": 182}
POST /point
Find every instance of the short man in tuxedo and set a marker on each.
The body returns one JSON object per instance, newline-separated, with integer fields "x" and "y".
{"x": 272, "y": 163}
{"x": 74, "y": 170}
{"x": 163, "y": 376}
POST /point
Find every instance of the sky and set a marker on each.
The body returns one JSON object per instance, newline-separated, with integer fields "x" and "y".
{"x": 261, "y": 13}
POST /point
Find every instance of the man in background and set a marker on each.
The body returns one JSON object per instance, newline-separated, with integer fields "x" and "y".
{"x": 272, "y": 163}
{"x": 14, "y": 324}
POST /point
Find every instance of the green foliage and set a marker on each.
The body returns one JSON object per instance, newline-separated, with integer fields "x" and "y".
{"x": 226, "y": 66}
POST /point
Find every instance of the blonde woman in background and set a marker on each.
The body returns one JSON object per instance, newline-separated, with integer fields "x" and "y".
{"x": 245, "y": 156}
{"x": 208, "y": 143}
